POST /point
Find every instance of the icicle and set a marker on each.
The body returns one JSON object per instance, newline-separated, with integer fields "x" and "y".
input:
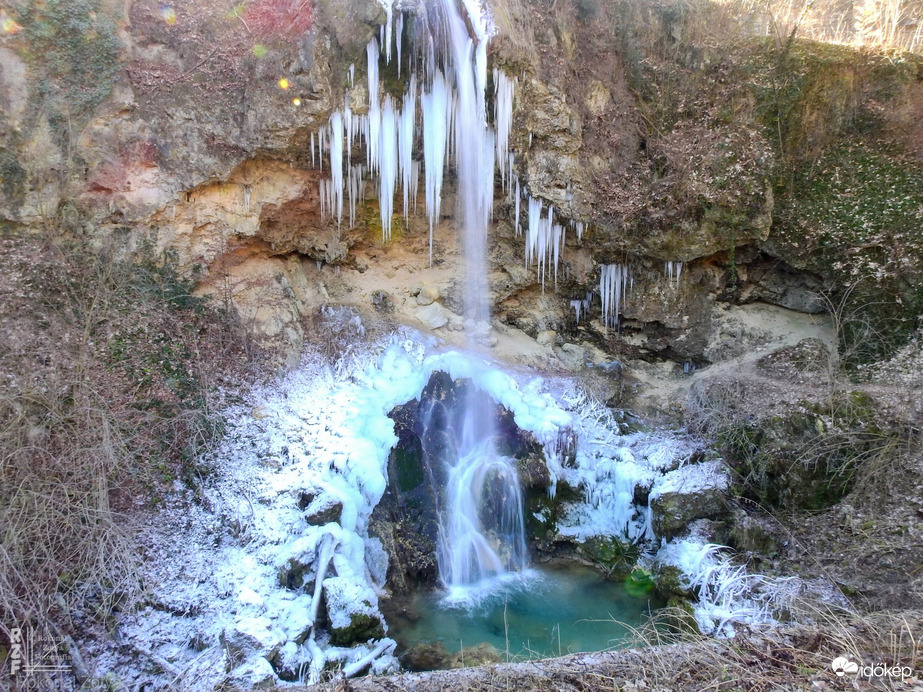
{"x": 673, "y": 271}
{"x": 373, "y": 136}
{"x": 400, "y": 33}
{"x": 347, "y": 130}
{"x": 405, "y": 141}
{"x": 535, "y": 213}
{"x": 577, "y": 306}
{"x": 614, "y": 281}
{"x": 356, "y": 185}
{"x": 336, "y": 165}
{"x": 387, "y": 176}
{"x": 503, "y": 119}
{"x": 580, "y": 226}
{"x": 557, "y": 234}
{"x": 320, "y": 150}
{"x": 518, "y": 198}
{"x": 247, "y": 199}
{"x": 544, "y": 241}
{"x": 415, "y": 183}
{"x": 389, "y": 28}
{"x": 352, "y": 74}
{"x": 485, "y": 179}
{"x": 435, "y": 136}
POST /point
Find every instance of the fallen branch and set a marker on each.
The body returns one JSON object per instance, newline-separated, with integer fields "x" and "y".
{"x": 360, "y": 665}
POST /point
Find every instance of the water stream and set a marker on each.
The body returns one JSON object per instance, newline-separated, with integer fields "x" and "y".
{"x": 481, "y": 528}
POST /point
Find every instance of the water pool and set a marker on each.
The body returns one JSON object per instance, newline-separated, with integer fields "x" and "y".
{"x": 547, "y": 611}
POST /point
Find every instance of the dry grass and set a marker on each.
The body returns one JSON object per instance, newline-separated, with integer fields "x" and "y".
{"x": 107, "y": 381}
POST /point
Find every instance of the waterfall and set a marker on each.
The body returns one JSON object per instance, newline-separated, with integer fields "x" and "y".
{"x": 474, "y": 543}
{"x": 481, "y": 526}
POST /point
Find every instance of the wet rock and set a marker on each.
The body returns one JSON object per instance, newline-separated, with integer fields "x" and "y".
{"x": 427, "y": 656}
{"x": 533, "y": 472}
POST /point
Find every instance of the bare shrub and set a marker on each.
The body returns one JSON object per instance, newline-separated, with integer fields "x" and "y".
{"x": 108, "y": 373}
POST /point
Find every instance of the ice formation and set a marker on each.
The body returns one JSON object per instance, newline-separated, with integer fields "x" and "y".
{"x": 673, "y": 270}
{"x": 614, "y": 282}
{"x": 452, "y": 99}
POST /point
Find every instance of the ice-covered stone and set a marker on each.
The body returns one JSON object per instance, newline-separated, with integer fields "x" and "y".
{"x": 686, "y": 494}
{"x": 251, "y": 636}
{"x": 255, "y": 674}
{"x": 352, "y": 611}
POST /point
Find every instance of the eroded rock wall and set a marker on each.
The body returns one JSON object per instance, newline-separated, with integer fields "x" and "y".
{"x": 191, "y": 126}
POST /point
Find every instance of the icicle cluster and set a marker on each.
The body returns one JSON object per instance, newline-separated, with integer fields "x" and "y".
{"x": 673, "y": 271}
{"x": 504, "y": 87}
{"x": 614, "y": 282}
{"x": 544, "y": 240}
{"x": 544, "y": 236}
{"x": 452, "y": 103}
{"x": 580, "y": 306}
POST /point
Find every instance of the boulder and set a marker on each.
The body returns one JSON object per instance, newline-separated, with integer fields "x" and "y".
{"x": 434, "y": 316}
{"x": 352, "y": 611}
{"x": 690, "y": 492}
{"x": 427, "y": 656}
{"x": 251, "y": 636}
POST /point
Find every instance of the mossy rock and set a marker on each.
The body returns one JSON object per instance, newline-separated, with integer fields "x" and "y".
{"x": 472, "y": 656}
{"x": 679, "y": 617}
{"x": 610, "y": 553}
{"x": 668, "y": 583}
{"x": 361, "y": 628}
{"x": 808, "y": 457}
{"x": 748, "y": 535}
{"x": 426, "y": 656}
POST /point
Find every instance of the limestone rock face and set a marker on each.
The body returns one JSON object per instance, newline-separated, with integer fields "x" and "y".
{"x": 195, "y": 136}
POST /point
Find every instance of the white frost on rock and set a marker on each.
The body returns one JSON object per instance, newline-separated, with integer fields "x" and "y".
{"x": 695, "y": 478}
{"x": 727, "y": 594}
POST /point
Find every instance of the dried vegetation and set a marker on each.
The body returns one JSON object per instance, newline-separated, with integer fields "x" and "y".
{"x": 109, "y": 377}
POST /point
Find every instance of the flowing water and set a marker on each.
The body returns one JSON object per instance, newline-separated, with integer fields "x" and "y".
{"x": 481, "y": 529}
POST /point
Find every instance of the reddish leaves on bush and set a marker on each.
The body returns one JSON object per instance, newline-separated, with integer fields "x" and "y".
{"x": 285, "y": 18}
